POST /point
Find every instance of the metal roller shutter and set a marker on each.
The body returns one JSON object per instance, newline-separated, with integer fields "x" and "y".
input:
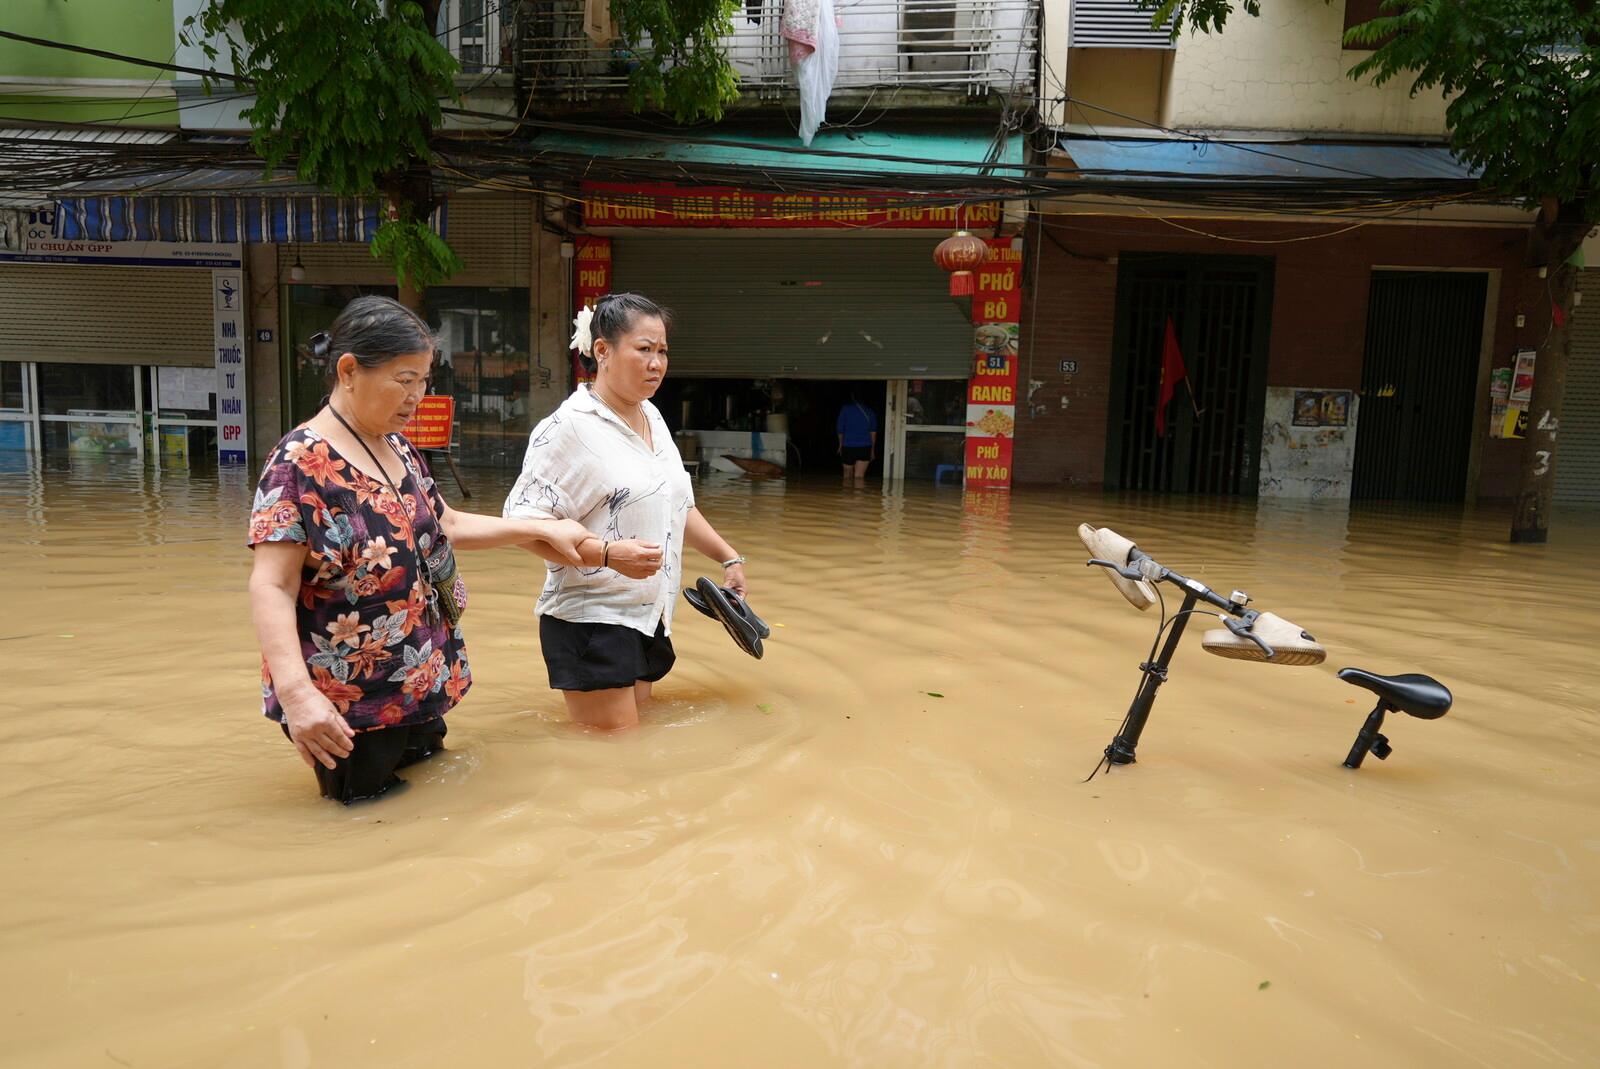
{"x": 801, "y": 308}
{"x": 64, "y": 313}
{"x": 492, "y": 235}
{"x": 1578, "y": 451}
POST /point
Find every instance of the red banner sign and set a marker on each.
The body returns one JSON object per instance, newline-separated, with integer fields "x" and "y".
{"x": 992, "y": 390}
{"x": 606, "y": 204}
{"x": 430, "y": 423}
{"x": 592, "y": 265}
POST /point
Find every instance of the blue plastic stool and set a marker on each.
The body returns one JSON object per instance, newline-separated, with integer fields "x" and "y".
{"x": 939, "y": 472}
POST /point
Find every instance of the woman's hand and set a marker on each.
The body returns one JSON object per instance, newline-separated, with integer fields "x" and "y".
{"x": 733, "y": 578}
{"x": 634, "y": 559}
{"x": 563, "y": 536}
{"x": 315, "y": 727}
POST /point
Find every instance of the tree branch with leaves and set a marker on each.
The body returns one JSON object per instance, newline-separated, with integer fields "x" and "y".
{"x": 350, "y": 92}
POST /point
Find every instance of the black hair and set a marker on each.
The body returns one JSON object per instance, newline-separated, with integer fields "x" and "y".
{"x": 374, "y": 330}
{"x": 615, "y": 313}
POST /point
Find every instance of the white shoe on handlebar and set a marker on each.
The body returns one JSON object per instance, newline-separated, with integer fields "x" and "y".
{"x": 1290, "y": 645}
{"x": 1106, "y": 544}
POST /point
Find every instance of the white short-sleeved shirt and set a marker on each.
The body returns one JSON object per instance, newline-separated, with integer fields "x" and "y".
{"x": 583, "y": 463}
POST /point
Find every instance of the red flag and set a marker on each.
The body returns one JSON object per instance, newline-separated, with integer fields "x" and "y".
{"x": 1172, "y": 372}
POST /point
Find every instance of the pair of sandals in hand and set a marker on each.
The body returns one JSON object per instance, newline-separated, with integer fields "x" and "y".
{"x": 730, "y": 610}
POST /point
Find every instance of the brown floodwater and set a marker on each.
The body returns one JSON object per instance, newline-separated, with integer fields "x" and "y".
{"x": 874, "y": 847}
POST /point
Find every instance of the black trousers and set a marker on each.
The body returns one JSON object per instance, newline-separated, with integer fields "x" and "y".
{"x": 374, "y": 758}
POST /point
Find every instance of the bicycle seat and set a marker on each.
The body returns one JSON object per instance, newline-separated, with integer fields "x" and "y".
{"x": 1417, "y": 695}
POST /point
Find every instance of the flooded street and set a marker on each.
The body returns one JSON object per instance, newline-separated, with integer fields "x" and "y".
{"x": 872, "y": 848}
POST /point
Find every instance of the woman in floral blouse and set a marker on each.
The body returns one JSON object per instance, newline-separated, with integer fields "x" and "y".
{"x": 352, "y": 589}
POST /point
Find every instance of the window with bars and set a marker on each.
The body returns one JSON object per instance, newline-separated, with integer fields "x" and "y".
{"x": 471, "y": 30}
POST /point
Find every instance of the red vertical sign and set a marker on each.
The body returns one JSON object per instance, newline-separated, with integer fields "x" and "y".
{"x": 429, "y": 427}
{"x": 592, "y": 266}
{"x": 992, "y": 390}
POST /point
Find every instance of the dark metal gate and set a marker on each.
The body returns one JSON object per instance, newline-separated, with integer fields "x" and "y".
{"x": 1418, "y": 384}
{"x": 1220, "y": 308}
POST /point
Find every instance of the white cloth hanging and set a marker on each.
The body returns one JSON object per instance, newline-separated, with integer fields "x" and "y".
{"x": 812, "y": 30}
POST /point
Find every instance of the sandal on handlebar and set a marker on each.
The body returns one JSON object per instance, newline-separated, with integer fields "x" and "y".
{"x": 1107, "y": 545}
{"x": 1289, "y": 644}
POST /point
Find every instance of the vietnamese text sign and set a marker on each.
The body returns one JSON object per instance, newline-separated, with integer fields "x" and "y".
{"x": 430, "y": 424}
{"x": 607, "y": 204}
{"x": 227, "y": 296}
{"x": 28, "y": 236}
{"x": 992, "y": 390}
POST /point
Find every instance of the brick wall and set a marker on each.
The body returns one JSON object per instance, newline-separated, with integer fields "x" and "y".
{"x": 1068, "y": 314}
{"x": 1318, "y": 329}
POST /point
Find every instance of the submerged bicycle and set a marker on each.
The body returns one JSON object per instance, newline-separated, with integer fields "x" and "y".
{"x": 1246, "y": 635}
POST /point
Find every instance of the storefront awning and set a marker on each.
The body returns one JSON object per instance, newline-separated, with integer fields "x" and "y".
{"x": 1262, "y": 162}
{"x": 217, "y": 206}
{"x": 874, "y": 151}
{"x": 304, "y": 220}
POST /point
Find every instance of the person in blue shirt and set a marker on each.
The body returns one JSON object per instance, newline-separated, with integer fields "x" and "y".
{"x": 858, "y": 438}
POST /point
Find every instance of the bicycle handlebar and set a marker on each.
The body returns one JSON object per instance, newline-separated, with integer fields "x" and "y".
{"x": 1289, "y": 643}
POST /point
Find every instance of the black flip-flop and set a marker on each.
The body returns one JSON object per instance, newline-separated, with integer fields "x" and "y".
{"x": 729, "y": 609}
{"x": 738, "y": 604}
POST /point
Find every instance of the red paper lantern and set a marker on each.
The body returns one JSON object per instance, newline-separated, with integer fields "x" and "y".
{"x": 961, "y": 254}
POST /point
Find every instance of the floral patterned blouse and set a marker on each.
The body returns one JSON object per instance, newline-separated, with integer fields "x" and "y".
{"x": 372, "y": 640}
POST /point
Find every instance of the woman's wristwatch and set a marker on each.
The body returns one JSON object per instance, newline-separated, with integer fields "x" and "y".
{"x": 731, "y": 563}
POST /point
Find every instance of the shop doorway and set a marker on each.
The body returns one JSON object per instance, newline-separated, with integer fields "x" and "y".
{"x": 789, "y": 422}
{"x": 134, "y": 411}
{"x": 927, "y": 430}
{"x": 1220, "y": 308}
{"x": 1418, "y": 379}
{"x": 921, "y": 423}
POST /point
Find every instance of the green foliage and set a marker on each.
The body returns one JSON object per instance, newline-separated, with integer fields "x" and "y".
{"x": 1522, "y": 77}
{"x": 418, "y": 255}
{"x": 350, "y": 91}
{"x": 347, "y": 90}
{"x": 1522, "y": 80}
{"x": 682, "y": 67}
{"x": 1200, "y": 16}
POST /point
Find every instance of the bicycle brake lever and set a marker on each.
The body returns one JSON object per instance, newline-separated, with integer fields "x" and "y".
{"x": 1243, "y": 630}
{"x": 1126, "y": 573}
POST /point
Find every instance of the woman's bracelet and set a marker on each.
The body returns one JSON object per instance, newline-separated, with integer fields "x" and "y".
{"x": 605, "y": 554}
{"x": 731, "y": 563}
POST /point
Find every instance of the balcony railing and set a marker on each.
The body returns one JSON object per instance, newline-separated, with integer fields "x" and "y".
{"x": 945, "y": 47}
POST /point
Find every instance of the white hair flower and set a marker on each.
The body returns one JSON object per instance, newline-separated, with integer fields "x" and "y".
{"x": 582, "y": 339}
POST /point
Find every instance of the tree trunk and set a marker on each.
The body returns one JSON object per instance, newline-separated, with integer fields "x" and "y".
{"x": 416, "y": 189}
{"x": 412, "y": 298}
{"x": 1530, "y": 522}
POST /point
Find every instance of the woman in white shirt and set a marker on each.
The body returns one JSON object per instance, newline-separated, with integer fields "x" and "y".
{"x": 606, "y": 459}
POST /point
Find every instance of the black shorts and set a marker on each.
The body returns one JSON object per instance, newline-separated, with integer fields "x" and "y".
{"x": 855, "y": 454}
{"x": 374, "y": 757}
{"x": 602, "y": 656}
